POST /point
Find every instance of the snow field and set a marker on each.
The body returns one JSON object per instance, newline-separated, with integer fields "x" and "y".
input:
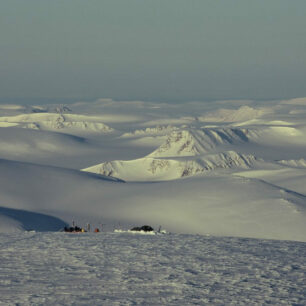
{"x": 239, "y": 173}
{"x": 212, "y": 204}
{"x": 128, "y": 269}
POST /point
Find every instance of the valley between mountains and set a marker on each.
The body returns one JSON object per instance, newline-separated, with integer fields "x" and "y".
{"x": 229, "y": 169}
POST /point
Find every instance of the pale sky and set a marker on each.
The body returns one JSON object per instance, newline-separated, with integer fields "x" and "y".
{"x": 157, "y": 50}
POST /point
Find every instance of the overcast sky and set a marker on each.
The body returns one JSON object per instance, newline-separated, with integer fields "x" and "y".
{"x": 158, "y": 50}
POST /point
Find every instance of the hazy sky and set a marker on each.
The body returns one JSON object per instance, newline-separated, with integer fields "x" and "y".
{"x": 159, "y": 50}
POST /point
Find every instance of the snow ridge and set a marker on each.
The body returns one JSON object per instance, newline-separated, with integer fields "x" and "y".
{"x": 297, "y": 163}
{"x": 192, "y": 142}
{"x": 166, "y": 169}
{"x": 157, "y": 130}
{"x": 57, "y": 121}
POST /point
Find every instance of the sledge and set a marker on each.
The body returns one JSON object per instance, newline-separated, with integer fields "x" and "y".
{"x": 74, "y": 229}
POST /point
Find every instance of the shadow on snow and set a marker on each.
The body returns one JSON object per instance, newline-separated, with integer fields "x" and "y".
{"x": 32, "y": 220}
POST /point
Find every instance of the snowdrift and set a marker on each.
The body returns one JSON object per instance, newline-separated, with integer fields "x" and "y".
{"x": 12, "y": 220}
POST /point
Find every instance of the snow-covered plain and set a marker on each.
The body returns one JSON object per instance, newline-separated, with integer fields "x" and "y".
{"x": 127, "y": 269}
{"x": 225, "y": 168}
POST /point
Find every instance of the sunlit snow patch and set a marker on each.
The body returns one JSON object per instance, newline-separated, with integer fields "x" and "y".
{"x": 294, "y": 163}
{"x": 69, "y": 123}
{"x": 146, "y": 169}
{"x": 192, "y": 142}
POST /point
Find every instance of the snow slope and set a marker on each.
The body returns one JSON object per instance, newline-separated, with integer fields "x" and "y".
{"x": 154, "y": 169}
{"x": 149, "y": 131}
{"x": 297, "y": 163}
{"x": 45, "y": 147}
{"x": 12, "y": 220}
{"x": 210, "y": 204}
{"x": 198, "y": 141}
{"x": 64, "y": 150}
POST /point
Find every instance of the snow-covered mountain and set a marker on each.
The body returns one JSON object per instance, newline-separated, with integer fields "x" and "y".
{"x": 294, "y": 162}
{"x": 147, "y": 168}
{"x": 186, "y": 152}
{"x": 68, "y": 123}
{"x": 157, "y": 130}
{"x": 192, "y": 142}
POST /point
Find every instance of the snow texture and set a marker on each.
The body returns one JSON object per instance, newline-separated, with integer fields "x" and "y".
{"x": 129, "y": 269}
